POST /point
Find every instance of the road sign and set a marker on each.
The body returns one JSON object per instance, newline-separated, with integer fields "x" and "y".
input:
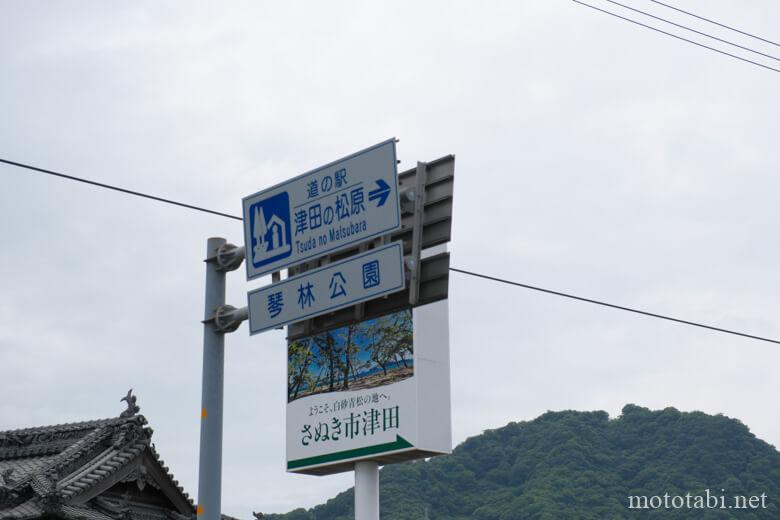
{"x": 433, "y": 268}
{"x": 347, "y": 201}
{"x": 373, "y": 390}
{"x": 334, "y": 286}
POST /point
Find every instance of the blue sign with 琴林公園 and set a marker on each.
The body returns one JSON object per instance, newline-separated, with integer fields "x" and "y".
{"x": 326, "y": 289}
{"x": 327, "y": 209}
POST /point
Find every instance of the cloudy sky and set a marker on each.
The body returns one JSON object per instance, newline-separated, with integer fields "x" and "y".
{"x": 593, "y": 157}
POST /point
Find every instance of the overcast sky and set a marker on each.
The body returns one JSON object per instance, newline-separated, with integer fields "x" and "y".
{"x": 593, "y": 157}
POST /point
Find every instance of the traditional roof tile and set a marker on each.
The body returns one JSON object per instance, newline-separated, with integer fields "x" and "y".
{"x": 61, "y": 470}
{"x": 83, "y": 513}
{"x": 23, "y": 511}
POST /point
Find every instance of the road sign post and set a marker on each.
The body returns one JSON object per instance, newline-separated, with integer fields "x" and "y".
{"x": 210, "y": 466}
{"x": 366, "y": 490}
{"x": 220, "y": 258}
{"x": 368, "y": 351}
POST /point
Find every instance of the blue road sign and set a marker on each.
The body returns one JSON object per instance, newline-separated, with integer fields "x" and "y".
{"x": 327, "y": 209}
{"x": 350, "y": 281}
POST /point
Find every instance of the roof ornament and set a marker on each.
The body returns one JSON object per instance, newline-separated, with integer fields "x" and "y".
{"x": 132, "y": 408}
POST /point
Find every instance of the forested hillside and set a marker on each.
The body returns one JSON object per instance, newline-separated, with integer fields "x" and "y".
{"x": 580, "y": 466}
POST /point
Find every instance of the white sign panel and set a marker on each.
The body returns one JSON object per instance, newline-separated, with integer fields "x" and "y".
{"x": 356, "y": 279}
{"x": 374, "y": 390}
{"x": 330, "y": 208}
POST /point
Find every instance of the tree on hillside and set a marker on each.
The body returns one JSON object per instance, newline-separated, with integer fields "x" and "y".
{"x": 580, "y": 465}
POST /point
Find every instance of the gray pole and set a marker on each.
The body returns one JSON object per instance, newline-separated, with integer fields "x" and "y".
{"x": 367, "y": 490}
{"x": 210, "y": 467}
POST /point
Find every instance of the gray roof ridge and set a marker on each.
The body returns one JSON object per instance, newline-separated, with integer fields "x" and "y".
{"x": 41, "y": 441}
{"x": 80, "y": 425}
{"x": 108, "y": 462}
{"x": 156, "y": 456}
{"x": 124, "y": 439}
{"x": 104, "y": 465}
{"x": 67, "y": 459}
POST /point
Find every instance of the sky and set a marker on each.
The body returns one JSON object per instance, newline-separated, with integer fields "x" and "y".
{"x": 593, "y": 157}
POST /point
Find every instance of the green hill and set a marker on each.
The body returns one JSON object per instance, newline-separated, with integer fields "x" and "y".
{"x": 582, "y": 466}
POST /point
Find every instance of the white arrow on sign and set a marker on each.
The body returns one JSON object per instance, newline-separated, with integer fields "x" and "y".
{"x": 329, "y": 288}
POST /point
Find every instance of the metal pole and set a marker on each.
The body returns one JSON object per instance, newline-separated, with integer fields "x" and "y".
{"x": 210, "y": 467}
{"x": 367, "y": 490}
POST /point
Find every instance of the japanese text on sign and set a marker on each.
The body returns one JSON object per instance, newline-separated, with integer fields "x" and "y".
{"x": 355, "y": 279}
{"x": 364, "y": 424}
{"x": 348, "y": 201}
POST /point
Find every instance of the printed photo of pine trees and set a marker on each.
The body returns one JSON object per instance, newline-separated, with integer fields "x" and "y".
{"x": 368, "y": 354}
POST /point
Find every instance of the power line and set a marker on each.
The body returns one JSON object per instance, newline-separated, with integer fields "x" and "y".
{"x": 461, "y": 271}
{"x": 716, "y": 23}
{"x": 675, "y": 36}
{"x": 693, "y": 30}
{"x": 613, "y": 306}
{"x": 116, "y": 188}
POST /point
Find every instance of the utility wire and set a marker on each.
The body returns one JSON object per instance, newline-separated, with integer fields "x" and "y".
{"x": 675, "y": 36}
{"x": 613, "y": 306}
{"x": 461, "y": 271}
{"x": 116, "y": 188}
{"x": 716, "y": 23}
{"x": 693, "y": 30}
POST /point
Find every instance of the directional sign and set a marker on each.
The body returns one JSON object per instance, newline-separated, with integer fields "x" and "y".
{"x": 334, "y": 286}
{"x": 342, "y": 203}
{"x": 376, "y": 390}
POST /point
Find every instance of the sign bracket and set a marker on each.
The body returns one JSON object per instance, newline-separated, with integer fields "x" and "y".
{"x": 419, "y": 206}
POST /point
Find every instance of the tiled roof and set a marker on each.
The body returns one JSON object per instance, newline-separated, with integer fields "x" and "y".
{"x": 21, "y": 466}
{"x": 167, "y": 470}
{"x": 83, "y": 513}
{"x": 46, "y": 440}
{"x": 28, "y": 509}
{"x": 58, "y": 470}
